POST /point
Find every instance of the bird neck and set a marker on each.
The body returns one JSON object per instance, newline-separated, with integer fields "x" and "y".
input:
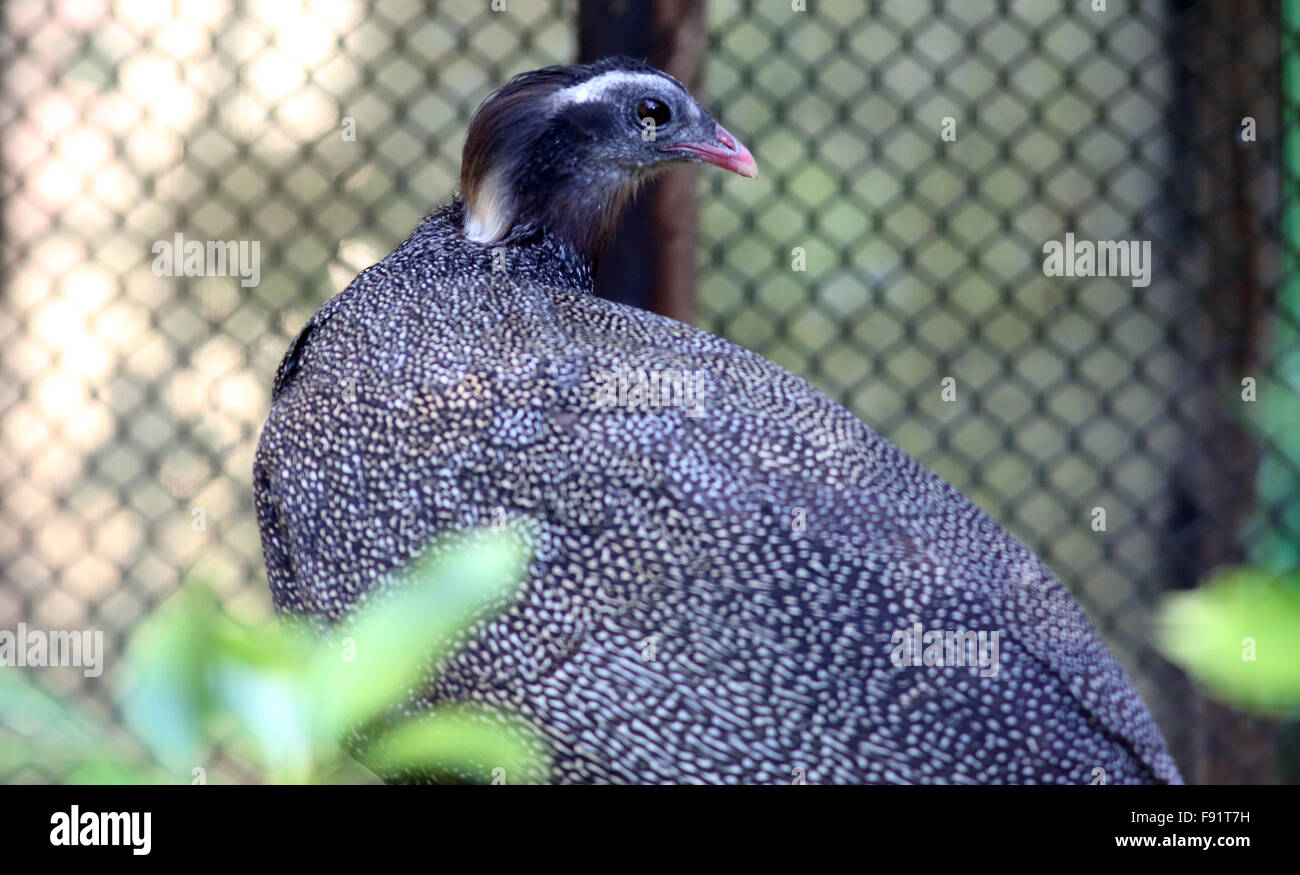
{"x": 531, "y": 251}
{"x": 584, "y": 212}
{"x": 560, "y": 190}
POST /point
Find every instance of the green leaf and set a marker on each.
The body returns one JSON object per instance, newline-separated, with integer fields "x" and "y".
{"x": 391, "y": 647}
{"x": 1240, "y": 636}
{"x": 166, "y": 698}
{"x": 281, "y": 697}
{"x": 462, "y": 743}
{"x": 271, "y": 711}
{"x": 41, "y": 731}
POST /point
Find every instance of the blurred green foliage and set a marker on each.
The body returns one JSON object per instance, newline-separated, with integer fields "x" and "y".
{"x": 281, "y": 697}
{"x": 1277, "y": 521}
{"x": 1238, "y": 636}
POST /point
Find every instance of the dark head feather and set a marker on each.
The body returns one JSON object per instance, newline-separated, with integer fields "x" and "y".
{"x": 526, "y": 164}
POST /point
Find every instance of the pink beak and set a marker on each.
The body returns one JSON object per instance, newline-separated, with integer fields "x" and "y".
{"x": 726, "y": 152}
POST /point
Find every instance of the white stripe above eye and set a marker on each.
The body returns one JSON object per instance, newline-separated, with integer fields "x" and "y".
{"x": 596, "y": 87}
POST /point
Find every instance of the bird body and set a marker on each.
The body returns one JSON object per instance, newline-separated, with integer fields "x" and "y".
{"x": 729, "y": 569}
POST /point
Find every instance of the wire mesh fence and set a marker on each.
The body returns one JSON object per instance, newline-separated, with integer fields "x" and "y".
{"x": 916, "y": 157}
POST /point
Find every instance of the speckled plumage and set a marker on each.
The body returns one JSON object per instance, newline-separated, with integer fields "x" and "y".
{"x": 678, "y": 623}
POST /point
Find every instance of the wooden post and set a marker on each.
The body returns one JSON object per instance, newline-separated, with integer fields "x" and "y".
{"x": 651, "y": 261}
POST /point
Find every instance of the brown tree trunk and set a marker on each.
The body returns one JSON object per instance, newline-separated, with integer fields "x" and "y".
{"x": 651, "y": 261}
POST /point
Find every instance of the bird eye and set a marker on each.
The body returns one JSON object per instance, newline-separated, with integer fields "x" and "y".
{"x": 655, "y": 110}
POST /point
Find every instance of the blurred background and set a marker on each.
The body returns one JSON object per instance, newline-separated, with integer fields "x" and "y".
{"x": 130, "y": 403}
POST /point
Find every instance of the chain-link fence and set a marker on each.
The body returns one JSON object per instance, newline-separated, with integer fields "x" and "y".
{"x": 916, "y": 157}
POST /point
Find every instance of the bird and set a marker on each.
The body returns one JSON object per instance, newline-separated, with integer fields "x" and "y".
{"x": 733, "y": 579}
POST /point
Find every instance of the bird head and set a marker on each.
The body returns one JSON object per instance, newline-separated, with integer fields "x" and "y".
{"x": 565, "y": 148}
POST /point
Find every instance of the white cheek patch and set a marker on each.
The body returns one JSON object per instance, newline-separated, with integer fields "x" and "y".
{"x": 596, "y": 87}
{"x": 492, "y": 211}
